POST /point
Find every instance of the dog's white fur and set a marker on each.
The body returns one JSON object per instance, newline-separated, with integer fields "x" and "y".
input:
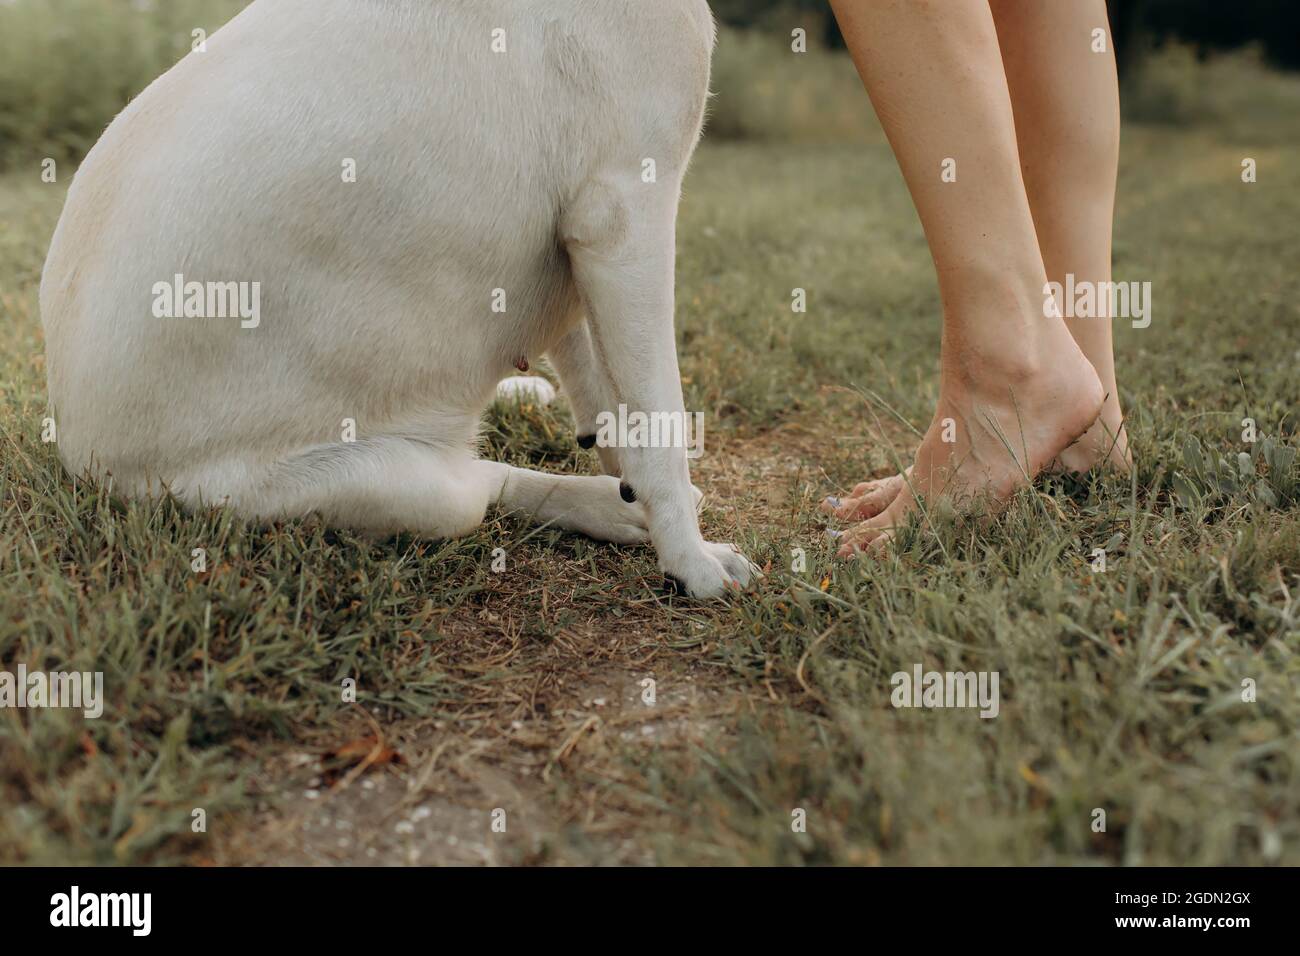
{"x": 476, "y": 171}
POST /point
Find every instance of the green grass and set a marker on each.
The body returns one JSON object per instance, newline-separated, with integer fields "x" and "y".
{"x": 1120, "y": 690}
{"x": 68, "y": 66}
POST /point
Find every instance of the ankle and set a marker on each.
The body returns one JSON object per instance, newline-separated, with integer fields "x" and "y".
{"x": 1011, "y": 359}
{"x": 981, "y": 290}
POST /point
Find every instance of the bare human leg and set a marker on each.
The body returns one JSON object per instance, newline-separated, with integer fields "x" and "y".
{"x": 1065, "y": 97}
{"x": 1015, "y": 390}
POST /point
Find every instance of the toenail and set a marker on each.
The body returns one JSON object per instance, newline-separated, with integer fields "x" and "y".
{"x": 832, "y": 501}
{"x": 673, "y": 585}
{"x": 625, "y": 490}
{"x": 832, "y": 533}
{"x": 586, "y": 441}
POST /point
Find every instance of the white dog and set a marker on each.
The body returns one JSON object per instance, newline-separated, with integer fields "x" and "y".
{"x": 292, "y": 272}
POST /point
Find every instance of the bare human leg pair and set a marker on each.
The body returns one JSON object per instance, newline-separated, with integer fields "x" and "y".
{"x": 1016, "y": 95}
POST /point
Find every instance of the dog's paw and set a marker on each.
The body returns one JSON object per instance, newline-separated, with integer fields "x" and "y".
{"x": 713, "y": 571}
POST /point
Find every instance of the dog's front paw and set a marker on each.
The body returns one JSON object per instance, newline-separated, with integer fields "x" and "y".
{"x": 712, "y": 571}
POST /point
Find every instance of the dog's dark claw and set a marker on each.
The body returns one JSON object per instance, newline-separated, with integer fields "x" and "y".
{"x": 586, "y": 441}
{"x": 673, "y": 586}
{"x": 625, "y": 490}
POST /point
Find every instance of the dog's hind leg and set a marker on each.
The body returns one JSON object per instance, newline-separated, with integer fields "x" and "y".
{"x": 591, "y": 505}
{"x": 378, "y": 486}
{"x": 586, "y": 384}
{"x": 387, "y": 485}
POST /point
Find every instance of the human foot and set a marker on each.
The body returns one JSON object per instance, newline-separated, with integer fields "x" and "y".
{"x": 992, "y": 433}
{"x": 867, "y": 499}
{"x": 1103, "y": 446}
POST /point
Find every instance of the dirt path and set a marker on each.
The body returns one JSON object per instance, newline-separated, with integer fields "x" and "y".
{"x": 542, "y": 763}
{"x": 500, "y": 793}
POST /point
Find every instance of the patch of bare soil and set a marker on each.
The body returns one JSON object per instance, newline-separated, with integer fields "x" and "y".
{"x": 496, "y": 794}
{"x": 539, "y": 764}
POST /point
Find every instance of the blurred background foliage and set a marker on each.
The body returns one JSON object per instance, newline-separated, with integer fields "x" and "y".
{"x": 68, "y": 66}
{"x": 1210, "y": 25}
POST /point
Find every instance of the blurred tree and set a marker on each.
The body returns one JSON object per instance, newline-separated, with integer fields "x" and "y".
{"x": 1209, "y": 25}
{"x": 761, "y": 13}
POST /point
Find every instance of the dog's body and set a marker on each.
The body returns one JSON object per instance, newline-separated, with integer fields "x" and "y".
{"x": 499, "y": 149}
